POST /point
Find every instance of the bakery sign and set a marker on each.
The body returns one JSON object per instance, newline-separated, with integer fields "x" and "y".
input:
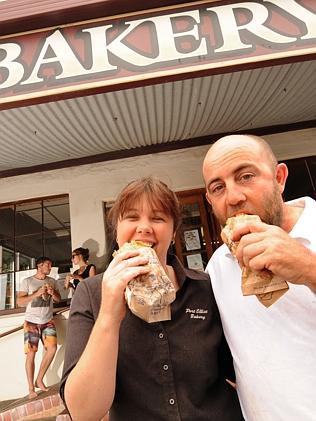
{"x": 120, "y": 51}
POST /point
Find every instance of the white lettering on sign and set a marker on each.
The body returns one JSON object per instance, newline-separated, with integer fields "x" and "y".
{"x": 64, "y": 56}
{"x": 109, "y": 55}
{"x": 231, "y": 31}
{"x": 304, "y": 15}
{"x": 14, "y": 69}
{"x": 167, "y": 50}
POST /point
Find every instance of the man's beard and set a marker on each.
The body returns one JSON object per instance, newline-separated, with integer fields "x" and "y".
{"x": 273, "y": 209}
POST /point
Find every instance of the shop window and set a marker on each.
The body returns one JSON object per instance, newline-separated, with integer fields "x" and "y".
{"x": 28, "y": 230}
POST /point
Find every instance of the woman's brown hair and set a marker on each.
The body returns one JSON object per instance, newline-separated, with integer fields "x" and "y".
{"x": 83, "y": 251}
{"x": 156, "y": 192}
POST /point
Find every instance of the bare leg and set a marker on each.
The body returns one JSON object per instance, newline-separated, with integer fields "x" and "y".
{"x": 46, "y": 361}
{"x": 30, "y": 367}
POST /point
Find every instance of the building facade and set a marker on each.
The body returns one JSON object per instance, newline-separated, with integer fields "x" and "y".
{"x": 106, "y": 92}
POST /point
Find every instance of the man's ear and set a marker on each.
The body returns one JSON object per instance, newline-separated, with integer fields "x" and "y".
{"x": 208, "y": 199}
{"x": 281, "y": 176}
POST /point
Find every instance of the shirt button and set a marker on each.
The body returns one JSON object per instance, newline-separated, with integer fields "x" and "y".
{"x": 165, "y": 367}
{"x": 171, "y": 401}
{"x": 160, "y": 335}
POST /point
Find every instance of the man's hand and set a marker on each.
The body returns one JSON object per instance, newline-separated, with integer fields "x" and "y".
{"x": 38, "y": 293}
{"x": 23, "y": 298}
{"x": 50, "y": 290}
{"x": 263, "y": 246}
{"x": 54, "y": 293}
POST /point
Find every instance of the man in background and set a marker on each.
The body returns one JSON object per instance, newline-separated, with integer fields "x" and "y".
{"x": 37, "y": 293}
{"x": 274, "y": 348}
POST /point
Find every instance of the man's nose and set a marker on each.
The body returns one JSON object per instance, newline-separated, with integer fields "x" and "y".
{"x": 234, "y": 195}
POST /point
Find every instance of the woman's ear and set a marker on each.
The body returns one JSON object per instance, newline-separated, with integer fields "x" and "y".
{"x": 281, "y": 176}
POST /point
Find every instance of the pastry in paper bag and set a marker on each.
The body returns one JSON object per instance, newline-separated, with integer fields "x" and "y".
{"x": 267, "y": 287}
{"x": 149, "y": 296}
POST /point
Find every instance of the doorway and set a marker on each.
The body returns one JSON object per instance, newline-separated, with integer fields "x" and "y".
{"x": 199, "y": 234}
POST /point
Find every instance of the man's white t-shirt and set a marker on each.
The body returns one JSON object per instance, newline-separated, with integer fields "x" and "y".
{"x": 274, "y": 349}
{"x": 38, "y": 310}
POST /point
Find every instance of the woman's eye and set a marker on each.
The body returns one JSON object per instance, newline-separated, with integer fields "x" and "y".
{"x": 130, "y": 216}
{"x": 158, "y": 218}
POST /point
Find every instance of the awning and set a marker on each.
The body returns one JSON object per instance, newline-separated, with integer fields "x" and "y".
{"x": 156, "y": 79}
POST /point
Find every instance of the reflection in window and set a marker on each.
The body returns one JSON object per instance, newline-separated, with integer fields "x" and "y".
{"x": 28, "y": 230}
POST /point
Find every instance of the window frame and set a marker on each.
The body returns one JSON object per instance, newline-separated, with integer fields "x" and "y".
{"x": 14, "y": 206}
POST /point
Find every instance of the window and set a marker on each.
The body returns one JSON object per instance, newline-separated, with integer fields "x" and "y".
{"x": 28, "y": 230}
{"x": 302, "y": 178}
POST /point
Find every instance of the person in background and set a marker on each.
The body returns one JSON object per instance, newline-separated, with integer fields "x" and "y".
{"x": 38, "y": 293}
{"x": 80, "y": 257}
{"x": 274, "y": 349}
{"x": 169, "y": 370}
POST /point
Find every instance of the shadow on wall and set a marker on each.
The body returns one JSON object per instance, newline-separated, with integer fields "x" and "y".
{"x": 94, "y": 248}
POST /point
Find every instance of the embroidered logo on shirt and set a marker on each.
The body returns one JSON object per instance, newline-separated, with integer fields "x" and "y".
{"x": 196, "y": 313}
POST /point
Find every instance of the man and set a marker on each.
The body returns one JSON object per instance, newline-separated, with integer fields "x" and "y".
{"x": 274, "y": 349}
{"x": 37, "y": 293}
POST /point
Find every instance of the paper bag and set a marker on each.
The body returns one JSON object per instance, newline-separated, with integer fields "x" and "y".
{"x": 267, "y": 287}
{"x": 149, "y": 296}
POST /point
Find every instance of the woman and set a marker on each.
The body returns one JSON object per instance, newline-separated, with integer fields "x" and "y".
{"x": 171, "y": 370}
{"x": 80, "y": 257}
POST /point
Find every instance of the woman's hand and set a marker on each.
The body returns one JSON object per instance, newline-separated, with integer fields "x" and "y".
{"x": 68, "y": 279}
{"x": 123, "y": 268}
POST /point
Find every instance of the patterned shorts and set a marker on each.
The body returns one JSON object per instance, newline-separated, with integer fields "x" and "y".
{"x": 34, "y": 332}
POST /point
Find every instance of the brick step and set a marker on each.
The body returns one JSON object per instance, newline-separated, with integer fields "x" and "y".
{"x": 45, "y": 405}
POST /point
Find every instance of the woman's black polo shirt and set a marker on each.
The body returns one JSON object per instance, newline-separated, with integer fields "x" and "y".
{"x": 167, "y": 371}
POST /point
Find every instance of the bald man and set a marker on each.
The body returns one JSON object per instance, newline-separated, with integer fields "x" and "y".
{"x": 274, "y": 349}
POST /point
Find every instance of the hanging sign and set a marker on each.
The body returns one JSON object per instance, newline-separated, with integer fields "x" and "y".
{"x": 182, "y": 41}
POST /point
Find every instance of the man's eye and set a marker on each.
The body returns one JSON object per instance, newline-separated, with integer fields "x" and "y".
{"x": 217, "y": 189}
{"x": 246, "y": 177}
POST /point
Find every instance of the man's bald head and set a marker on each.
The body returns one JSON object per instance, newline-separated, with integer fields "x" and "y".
{"x": 242, "y": 141}
{"x": 242, "y": 175}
